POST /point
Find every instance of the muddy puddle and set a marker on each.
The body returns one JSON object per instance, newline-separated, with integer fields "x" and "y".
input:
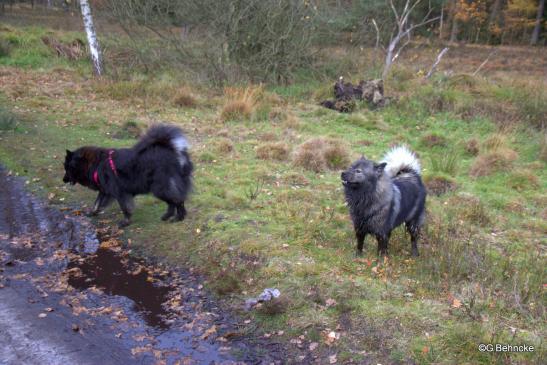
{"x": 115, "y": 274}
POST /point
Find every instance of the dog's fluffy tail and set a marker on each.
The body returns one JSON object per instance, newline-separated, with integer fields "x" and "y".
{"x": 165, "y": 135}
{"x": 400, "y": 160}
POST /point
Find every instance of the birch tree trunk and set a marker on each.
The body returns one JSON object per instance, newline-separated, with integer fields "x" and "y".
{"x": 92, "y": 38}
{"x": 537, "y": 27}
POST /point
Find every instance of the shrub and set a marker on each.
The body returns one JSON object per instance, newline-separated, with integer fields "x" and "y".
{"x": 273, "y": 151}
{"x": 318, "y": 154}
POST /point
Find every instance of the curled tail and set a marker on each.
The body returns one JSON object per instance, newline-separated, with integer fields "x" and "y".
{"x": 401, "y": 160}
{"x": 165, "y": 135}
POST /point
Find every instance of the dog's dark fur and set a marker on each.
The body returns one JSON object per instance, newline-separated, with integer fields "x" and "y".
{"x": 159, "y": 164}
{"x": 382, "y": 196}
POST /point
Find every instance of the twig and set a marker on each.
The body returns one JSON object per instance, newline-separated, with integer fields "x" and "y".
{"x": 437, "y": 61}
{"x": 377, "y": 33}
{"x": 484, "y": 62}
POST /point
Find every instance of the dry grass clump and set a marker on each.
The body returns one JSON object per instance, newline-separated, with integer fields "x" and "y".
{"x": 268, "y": 137}
{"x": 497, "y": 156}
{"x": 184, "y": 98}
{"x": 273, "y": 151}
{"x": 523, "y": 180}
{"x": 472, "y": 146}
{"x": 291, "y": 122}
{"x": 432, "y": 140}
{"x": 495, "y": 142}
{"x": 319, "y": 154}
{"x": 469, "y": 208}
{"x": 223, "y": 145}
{"x": 241, "y": 103}
{"x": 295, "y": 179}
{"x": 491, "y": 162}
{"x": 439, "y": 185}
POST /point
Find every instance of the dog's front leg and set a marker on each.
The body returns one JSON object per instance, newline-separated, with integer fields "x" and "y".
{"x": 97, "y": 204}
{"x": 383, "y": 241}
{"x": 360, "y": 243}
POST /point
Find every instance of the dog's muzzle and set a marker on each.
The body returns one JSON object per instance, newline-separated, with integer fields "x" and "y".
{"x": 344, "y": 178}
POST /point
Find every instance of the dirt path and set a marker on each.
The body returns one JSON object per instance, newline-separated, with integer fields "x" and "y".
{"x": 66, "y": 298}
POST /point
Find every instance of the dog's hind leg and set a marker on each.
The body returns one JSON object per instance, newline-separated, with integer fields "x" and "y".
{"x": 127, "y": 205}
{"x": 414, "y": 232}
{"x": 170, "y": 211}
{"x": 181, "y": 212}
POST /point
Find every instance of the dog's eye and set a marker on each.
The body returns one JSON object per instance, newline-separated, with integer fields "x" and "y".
{"x": 358, "y": 171}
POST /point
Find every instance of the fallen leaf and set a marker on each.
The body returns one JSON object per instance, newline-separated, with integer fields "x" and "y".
{"x": 209, "y": 332}
{"x": 313, "y": 346}
{"x": 332, "y": 359}
{"x": 456, "y": 303}
{"x": 330, "y": 302}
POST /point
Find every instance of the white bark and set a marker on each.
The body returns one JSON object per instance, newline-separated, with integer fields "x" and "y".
{"x": 94, "y": 49}
{"x": 437, "y": 61}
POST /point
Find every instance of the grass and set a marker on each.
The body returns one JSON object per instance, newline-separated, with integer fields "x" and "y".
{"x": 263, "y": 216}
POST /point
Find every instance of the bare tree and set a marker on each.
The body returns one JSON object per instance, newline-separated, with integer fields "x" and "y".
{"x": 537, "y": 27}
{"x": 403, "y": 30}
{"x": 94, "y": 49}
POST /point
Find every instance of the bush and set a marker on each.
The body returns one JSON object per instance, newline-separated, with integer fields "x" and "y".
{"x": 266, "y": 40}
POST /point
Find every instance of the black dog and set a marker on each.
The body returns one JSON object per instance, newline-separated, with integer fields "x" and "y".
{"x": 159, "y": 163}
{"x": 385, "y": 195}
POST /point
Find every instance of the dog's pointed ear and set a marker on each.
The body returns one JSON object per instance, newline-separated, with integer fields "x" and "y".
{"x": 379, "y": 167}
{"x": 69, "y": 153}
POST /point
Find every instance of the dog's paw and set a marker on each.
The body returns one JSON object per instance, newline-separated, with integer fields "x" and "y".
{"x": 415, "y": 253}
{"x": 124, "y": 223}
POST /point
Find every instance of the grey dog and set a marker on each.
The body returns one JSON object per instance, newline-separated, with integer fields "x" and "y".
{"x": 382, "y": 196}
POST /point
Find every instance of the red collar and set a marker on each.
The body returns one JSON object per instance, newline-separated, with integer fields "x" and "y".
{"x": 112, "y": 167}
